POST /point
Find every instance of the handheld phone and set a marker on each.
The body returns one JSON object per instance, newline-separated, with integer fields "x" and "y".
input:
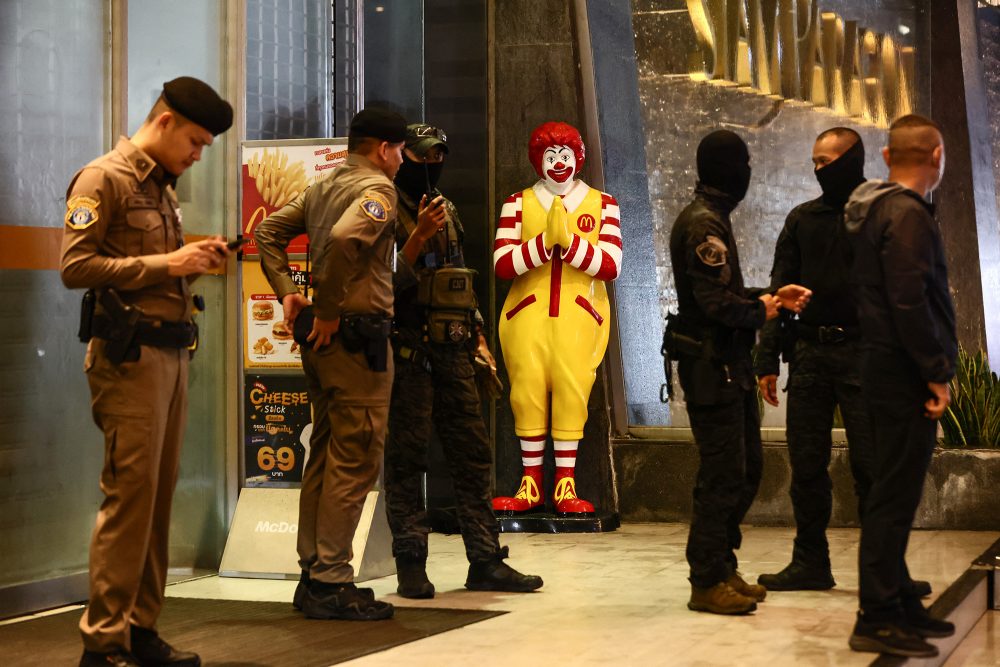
{"x": 236, "y": 244}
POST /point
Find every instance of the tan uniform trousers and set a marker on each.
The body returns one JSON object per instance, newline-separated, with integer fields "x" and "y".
{"x": 350, "y": 405}
{"x": 142, "y": 408}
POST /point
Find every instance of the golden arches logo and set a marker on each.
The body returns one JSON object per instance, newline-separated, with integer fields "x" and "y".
{"x": 586, "y": 223}
{"x": 257, "y": 217}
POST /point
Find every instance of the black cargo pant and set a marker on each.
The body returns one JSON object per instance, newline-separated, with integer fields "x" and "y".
{"x": 445, "y": 397}
{"x": 821, "y": 377}
{"x": 904, "y": 442}
{"x": 728, "y": 437}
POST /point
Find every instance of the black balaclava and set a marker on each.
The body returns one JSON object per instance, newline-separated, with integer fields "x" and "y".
{"x": 417, "y": 178}
{"x": 724, "y": 163}
{"x": 839, "y": 178}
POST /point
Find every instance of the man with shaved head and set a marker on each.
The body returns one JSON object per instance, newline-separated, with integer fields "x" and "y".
{"x": 822, "y": 348}
{"x": 909, "y": 349}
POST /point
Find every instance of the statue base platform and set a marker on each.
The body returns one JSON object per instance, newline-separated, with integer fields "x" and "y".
{"x": 599, "y": 522}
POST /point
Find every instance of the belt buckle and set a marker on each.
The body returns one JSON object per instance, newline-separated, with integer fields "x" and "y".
{"x": 833, "y": 334}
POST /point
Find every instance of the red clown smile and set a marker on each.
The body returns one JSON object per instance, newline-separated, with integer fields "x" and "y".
{"x": 560, "y": 174}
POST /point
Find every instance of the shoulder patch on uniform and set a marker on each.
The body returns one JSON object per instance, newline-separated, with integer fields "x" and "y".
{"x": 81, "y": 212}
{"x": 712, "y": 252}
{"x": 375, "y": 205}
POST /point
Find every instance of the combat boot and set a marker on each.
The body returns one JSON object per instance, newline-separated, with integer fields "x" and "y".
{"x": 411, "y": 575}
{"x": 754, "y": 591}
{"x": 344, "y": 601}
{"x": 493, "y": 574}
{"x": 888, "y": 637}
{"x": 720, "y": 599}
{"x": 527, "y": 499}
{"x": 918, "y": 620}
{"x": 119, "y": 658}
{"x": 300, "y": 591}
{"x": 151, "y": 651}
{"x": 798, "y": 577}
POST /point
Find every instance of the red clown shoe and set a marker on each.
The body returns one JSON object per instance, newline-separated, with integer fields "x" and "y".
{"x": 566, "y": 500}
{"x": 527, "y": 499}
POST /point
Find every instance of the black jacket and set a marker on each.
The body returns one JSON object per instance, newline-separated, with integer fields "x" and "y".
{"x": 711, "y": 298}
{"x": 813, "y": 251}
{"x": 900, "y": 278}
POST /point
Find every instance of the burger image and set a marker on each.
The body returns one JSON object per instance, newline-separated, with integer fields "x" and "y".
{"x": 280, "y": 331}
{"x": 262, "y": 310}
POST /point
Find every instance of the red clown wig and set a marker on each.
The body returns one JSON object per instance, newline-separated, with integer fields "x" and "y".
{"x": 555, "y": 133}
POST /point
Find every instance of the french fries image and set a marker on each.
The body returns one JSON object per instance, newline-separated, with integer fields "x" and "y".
{"x": 277, "y": 182}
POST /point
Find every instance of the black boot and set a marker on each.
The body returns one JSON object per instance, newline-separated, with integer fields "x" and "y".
{"x": 922, "y": 623}
{"x": 411, "y": 573}
{"x": 920, "y": 588}
{"x": 892, "y": 638}
{"x": 495, "y": 575}
{"x": 798, "y": 577}
{"x": 119, "y": 658}
{"x": 151, "y": 651}
{"x": 345, "y": 602}
{"x": 300, "y": 591}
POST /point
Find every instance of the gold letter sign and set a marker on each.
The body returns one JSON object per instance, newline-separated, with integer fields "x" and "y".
{"x": 790, "y": 49}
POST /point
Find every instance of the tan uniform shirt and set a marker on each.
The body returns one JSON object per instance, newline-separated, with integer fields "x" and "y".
{"x": 122, "y": 218}
{"x": 349, "y": 217}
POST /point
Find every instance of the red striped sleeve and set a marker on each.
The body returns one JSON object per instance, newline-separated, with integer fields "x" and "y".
{"x": 513, "y": 256}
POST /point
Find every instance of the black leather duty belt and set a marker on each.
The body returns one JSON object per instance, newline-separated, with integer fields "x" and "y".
{"x": 154, "y": 333}
{"x": 827, "y": 335}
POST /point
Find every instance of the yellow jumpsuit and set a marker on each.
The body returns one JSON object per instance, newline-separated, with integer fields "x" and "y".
{"x": 554, "y": 330}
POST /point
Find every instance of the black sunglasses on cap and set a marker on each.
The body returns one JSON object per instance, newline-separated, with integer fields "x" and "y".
{"x": 429, "y": 132}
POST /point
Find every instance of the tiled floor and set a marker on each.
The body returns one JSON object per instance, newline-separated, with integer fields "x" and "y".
{"x": 620, "y": 599}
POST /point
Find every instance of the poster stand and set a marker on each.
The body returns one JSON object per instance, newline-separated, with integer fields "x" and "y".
{"x": 276, "y": 418}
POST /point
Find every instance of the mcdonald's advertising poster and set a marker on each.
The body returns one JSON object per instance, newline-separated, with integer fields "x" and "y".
{"x": 276, "y": 172}
{"x": 277, "y": 427}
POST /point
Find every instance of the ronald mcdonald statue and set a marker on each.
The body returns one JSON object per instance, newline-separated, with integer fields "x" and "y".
{"x": 559, "y": 241}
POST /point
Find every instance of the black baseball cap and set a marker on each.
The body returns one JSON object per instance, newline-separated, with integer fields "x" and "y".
{"x": 198, "y": 102}
{"x": 421, "y": 137}
{"x": 379, "y": 124}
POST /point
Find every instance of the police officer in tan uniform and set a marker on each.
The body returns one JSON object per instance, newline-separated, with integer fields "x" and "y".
{"x": 349, "y": 218}
{"x": 123, "y": 241}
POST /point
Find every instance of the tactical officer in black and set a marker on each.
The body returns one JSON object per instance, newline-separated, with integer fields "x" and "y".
{"x": 711, "y": 339}
{"x": 437, "y": 342}
{"x": 823, "y": 344}
{"x": 910, "y": 348}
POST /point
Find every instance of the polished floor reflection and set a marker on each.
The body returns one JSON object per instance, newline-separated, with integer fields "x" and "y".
{"x": 620, "y": 599}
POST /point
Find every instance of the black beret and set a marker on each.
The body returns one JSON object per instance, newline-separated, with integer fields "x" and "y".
{"x": 379, "y": 124}
{"x": 198, "y": 102}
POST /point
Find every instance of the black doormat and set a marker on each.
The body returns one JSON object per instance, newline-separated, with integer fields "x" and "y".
{"x": 227, "y": 633}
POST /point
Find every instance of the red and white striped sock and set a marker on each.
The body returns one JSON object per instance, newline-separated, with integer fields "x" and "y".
{"x": 532, "y": 454}
{"x": 565, "y": 457}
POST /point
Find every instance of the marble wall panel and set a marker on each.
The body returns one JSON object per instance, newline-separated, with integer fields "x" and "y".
{"x": 678, "y": 112}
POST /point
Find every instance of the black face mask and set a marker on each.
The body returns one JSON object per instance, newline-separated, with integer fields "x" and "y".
{"x": 839, "y": 178}
{"x": 417, "y": 178}
{"x": 724, "y": 163}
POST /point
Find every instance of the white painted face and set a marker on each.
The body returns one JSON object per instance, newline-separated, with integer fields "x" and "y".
{"x": 558, "y": 166}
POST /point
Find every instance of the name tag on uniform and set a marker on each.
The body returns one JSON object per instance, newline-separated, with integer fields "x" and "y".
{"x": 141, "y": 201}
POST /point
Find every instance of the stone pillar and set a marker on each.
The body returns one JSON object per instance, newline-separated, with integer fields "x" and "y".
{"x": 615, "y": 118}
{"x": 966, "y": 199}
